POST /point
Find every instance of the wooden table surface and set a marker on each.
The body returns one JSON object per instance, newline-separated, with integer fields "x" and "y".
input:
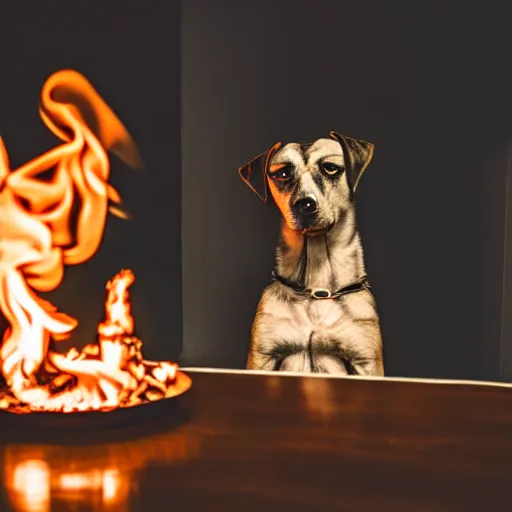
{"x": 251, "y": 442}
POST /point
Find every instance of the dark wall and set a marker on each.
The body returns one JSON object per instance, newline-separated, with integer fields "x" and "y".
{"x": 505, "y": 325}
{"x": 429, "y": 83}
{"x": 130, "y": 51}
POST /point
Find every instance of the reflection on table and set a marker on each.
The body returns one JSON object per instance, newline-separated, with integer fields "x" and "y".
{"x": 39, "y": 478}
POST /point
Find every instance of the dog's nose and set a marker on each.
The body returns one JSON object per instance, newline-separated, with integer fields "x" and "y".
{"x": 305, "y": 206}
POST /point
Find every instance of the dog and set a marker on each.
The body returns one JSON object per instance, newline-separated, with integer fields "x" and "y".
{"x": 319, "y": 314}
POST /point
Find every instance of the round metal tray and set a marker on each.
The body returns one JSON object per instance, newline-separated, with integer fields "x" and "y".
{"x": 45, "y": 423}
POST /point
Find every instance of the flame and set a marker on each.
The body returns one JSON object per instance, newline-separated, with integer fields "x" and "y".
{"x": 53, "y": 212}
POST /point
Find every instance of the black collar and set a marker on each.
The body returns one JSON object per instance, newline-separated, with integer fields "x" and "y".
{"x": 322, "y": 293}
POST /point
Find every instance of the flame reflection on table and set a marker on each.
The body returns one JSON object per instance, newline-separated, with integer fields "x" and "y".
{"x": 33, "y": 484}
{"x": 38, "y": 478}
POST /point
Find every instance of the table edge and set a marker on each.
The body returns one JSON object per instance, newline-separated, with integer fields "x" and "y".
{"x": 455, "y": 382}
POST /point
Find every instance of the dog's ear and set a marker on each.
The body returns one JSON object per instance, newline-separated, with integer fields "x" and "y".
{"x": 254, "y": 172}
{"x": 357, "y": 153}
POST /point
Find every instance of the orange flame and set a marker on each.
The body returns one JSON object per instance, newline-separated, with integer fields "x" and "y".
{"x": 40, "y": 234}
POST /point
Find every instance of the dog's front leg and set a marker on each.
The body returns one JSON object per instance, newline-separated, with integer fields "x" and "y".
{"x": 278, "y": 342}
{"x": 257, "y": 360}
{"x": 372, "y": 367}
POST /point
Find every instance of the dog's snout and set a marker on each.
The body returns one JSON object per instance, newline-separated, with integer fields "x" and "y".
{"x": 305, "y": 206}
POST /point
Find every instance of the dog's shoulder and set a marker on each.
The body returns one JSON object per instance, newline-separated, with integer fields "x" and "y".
{"x": 277, "y": 301}
{"x": 361, "y": 305}
{"x": 276, "y": 293}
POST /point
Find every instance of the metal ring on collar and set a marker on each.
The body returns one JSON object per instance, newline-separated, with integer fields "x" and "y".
{"x": 321, "y": 293}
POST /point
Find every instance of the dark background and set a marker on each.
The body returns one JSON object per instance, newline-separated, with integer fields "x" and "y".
{"x": 130, "y": 51}
{"x": 428, "y": 82}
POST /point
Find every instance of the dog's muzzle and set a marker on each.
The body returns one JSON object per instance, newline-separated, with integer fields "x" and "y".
{"x": 304, "y": 212}
{"x": 305, "y": 207}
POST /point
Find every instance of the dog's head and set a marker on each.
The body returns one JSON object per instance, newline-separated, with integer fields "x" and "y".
{"x": 312, "y": 184}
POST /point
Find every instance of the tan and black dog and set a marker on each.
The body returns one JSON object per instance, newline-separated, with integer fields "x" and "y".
{"x": 319, "y": 314}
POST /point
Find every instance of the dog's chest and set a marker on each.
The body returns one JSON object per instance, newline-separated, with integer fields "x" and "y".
{"x": 324, "y": 314}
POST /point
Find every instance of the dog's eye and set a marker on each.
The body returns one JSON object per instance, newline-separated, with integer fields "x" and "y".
{"x": 282, "y": 173}
{"x": 330, "y": 168}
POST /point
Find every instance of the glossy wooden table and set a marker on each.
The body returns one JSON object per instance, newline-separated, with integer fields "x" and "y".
{"x": 269, "y": 442}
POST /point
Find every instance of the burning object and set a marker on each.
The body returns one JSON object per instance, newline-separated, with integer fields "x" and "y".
{"x": 53, "y": 212}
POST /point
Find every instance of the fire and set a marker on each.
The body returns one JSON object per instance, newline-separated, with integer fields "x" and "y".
{"x": 53, "y": 212}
